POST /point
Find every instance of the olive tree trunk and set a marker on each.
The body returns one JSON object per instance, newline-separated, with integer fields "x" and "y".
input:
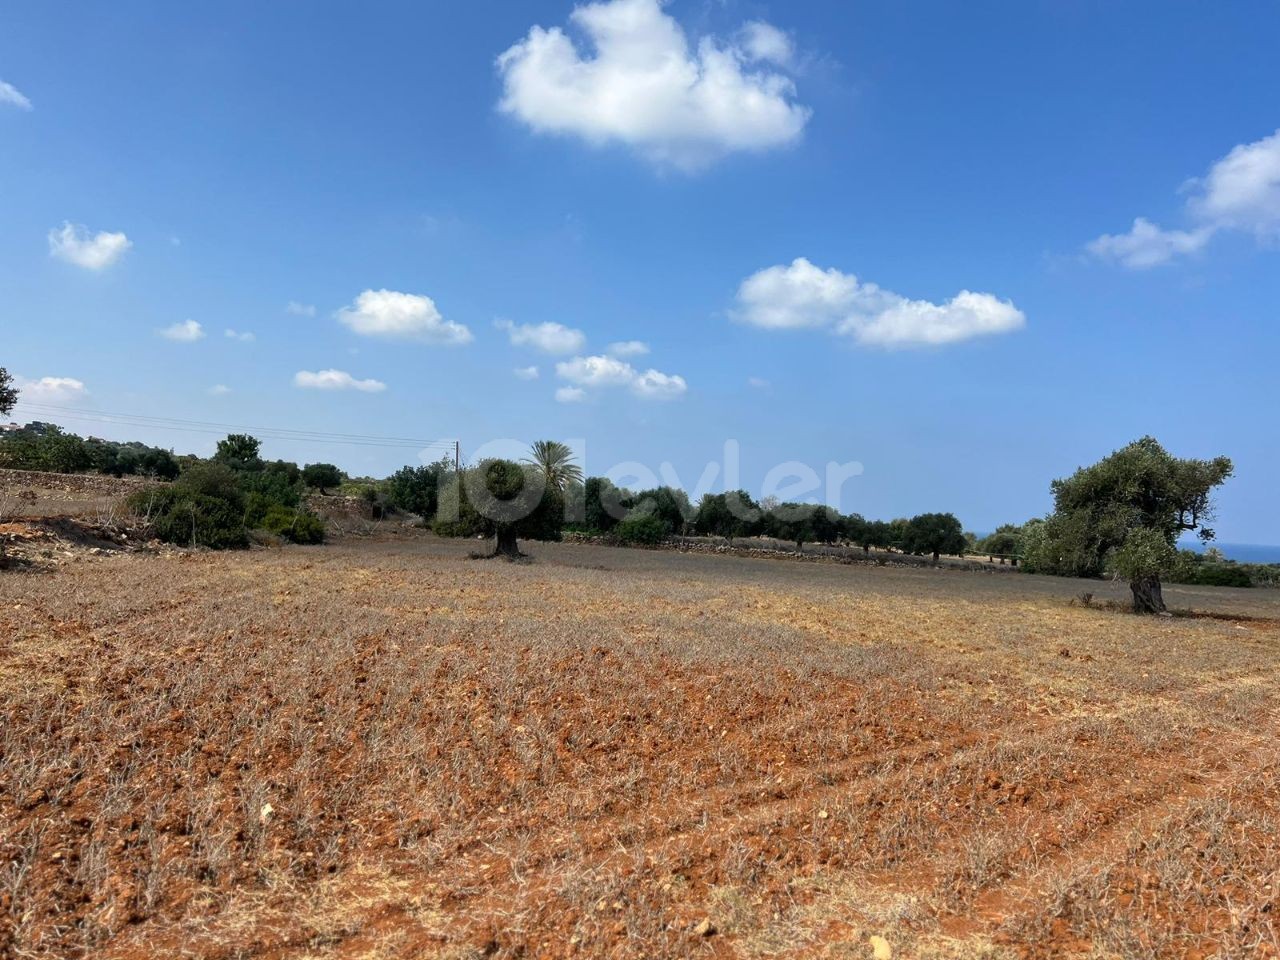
{"x": 505, "y": 544}
{"x": 1147, "y": 597}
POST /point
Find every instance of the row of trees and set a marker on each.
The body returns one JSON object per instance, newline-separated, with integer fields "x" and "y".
{"x": 546, "y": 494}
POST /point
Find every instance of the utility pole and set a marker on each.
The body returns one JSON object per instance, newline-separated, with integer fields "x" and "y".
{"x": 457, "y": 456}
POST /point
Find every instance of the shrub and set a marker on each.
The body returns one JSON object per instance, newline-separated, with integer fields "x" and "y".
{"x": 1223, "y": 575}
{"x": 297, "y": 526}
{"x": 192, "y": 519}
{"x": 643, "y": 529}
{"x": 204, "y": 507}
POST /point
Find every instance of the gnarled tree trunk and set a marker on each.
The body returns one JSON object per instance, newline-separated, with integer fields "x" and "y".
{"x": 1147, "y": 597}
{"x": 505, "y": 544}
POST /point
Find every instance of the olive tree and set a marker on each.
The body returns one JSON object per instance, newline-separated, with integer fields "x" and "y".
{"x": 934, "y": 533}
{"x": 321, "y": 476}
{"x": 1126, "y": 513}
{"x": 504, "y": 500}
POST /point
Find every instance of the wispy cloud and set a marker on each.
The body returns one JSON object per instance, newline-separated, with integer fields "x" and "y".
{"x": 242, "y": 336}
{"x": 547, "y": 337}
{"x": 188, "y": 331}
{"x": 50, "y": 389}
{"x": 335, "y": 380}
{"x": 526, "y": 373}
{"x": 10, "y": 95}
{"x": 300, "y": 309}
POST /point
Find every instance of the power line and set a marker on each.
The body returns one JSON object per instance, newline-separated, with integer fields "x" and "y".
{"x": 213, "y": 427}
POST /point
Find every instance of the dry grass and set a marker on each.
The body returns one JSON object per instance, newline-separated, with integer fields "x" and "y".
{"x": 385, "y": 750}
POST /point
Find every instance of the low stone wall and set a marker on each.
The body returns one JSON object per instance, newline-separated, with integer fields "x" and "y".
{"x": 90, "y": 484}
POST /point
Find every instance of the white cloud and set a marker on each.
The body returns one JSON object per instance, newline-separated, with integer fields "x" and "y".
{"x": 219, "y": 390}
{"x": 659, "y": 386}
{"x": 188, "y": 331}
{"x": 600, "y": 371}
{"x": 765, "y": 42}
{"x": 547, "y": 337}
{"x": 526, "y": 373}
{"x": 759, "y": 383}
{"x": 243, "y": 337}
{"x": 13, "y": 97}
{"x": 1147, "y": 245}
{"x": 627, "y": 348}
{"x": 335, "y": 380}
{"x": 50, "y": 389}
{"x": 300, "y": 309}
{"x": 407, "y": 316}
{"x": 1241, "y": 191}
{"x": 570, "y": 394}
{"x": 72, "y": 243}
{"x": 801, "y": 295}
{"x": 648, "y": 87}
{"x": 596, "y": 372}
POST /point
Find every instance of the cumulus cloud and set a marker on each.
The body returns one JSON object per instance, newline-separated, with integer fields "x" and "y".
{"x": 605, "y": 372}
{"x": 627, "y": 348}
{"x": 242, "y": 336}
{"x": 10, "y": 95}
{"x": 801, "y": 295}
{"x": 300, "y": 309}
{"x": 643, "y": 83}
{"x": 335, "y": 380}
{"x": 570, "y": 394}
{"x": 547, "y": 337}
{"x": 526, "y": 373}
{"x": 219, "y": 390}
{"x": 406, "y": 316}
{"x": 1240, "y": 192}
{"x": 50, "y": 389}
{"x": 188, "y": 331}
{"x": 73, "y": 243}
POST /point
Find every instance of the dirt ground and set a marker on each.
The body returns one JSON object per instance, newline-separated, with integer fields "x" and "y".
{"x": 386, "y": 749}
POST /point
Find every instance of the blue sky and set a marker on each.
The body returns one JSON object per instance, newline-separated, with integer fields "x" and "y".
{"x": 783, "y": 202}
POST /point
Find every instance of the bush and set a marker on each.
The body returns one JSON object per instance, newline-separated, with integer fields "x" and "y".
{"x": 297, "y": 526}
{"x": 1222, "y": 575}
{"x": 204, "y": 508}
{"x": 643, "y": 529}
{"x": 192, "y": 519}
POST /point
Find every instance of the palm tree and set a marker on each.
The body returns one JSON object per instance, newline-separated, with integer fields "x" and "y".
{"x": 555, "y": 460}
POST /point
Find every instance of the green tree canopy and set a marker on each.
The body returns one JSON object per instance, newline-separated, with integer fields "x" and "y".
{"x": 934, "y": 533}
{"x": 505, "y": 500}
{"x": 1119, "y": 511}
{"x": 417, "y": 489}
{"x": 239, "y": 451}
{"x": 321, "y": 476}
{"x": 8, "y": 393}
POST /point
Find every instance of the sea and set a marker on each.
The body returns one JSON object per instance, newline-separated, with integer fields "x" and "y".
{"x": 1240, "y": 552}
